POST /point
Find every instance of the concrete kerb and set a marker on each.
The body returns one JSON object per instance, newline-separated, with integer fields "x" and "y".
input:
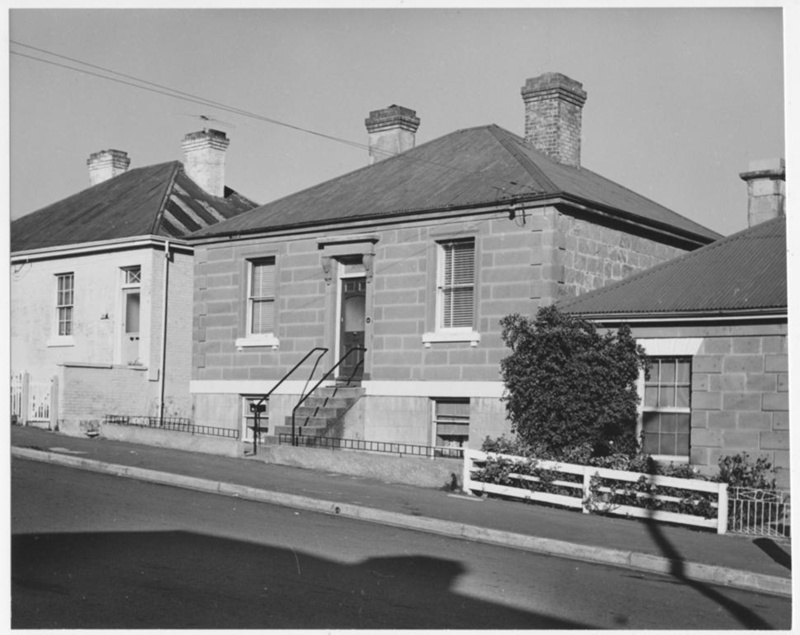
{"x": 599, "y": 555}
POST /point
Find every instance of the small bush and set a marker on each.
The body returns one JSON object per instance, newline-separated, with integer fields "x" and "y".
{"x": 739, "y": 470}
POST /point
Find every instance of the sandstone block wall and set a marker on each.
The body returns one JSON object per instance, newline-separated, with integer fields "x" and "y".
{"x": 740, "y": 400}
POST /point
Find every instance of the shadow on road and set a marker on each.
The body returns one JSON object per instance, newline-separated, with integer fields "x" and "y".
{"x": 774, "y": 551}
{"x": 742, "y": 614}
{"x": 188, "y": 580}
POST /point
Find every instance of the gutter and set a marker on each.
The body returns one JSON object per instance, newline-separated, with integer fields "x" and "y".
{"x": 82, "y": 249}
{"x": 705, "y": 316}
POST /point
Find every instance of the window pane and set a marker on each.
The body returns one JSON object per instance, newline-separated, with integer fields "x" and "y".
{"x": 666, "y": 398}
{"x": 263, "y": 279}
{"x": 667, "y": 372}
{"x": 65, "y": 321}
{"x": 263, "y": 317}
{"x": 651, "y": 443}
{"x": 684, "y": 367}
{"x": 650, "y": 421}
{"x": 132, "y": 313}
{"x": 669, "y": 423}
{"x": 451, "y": 417}
{"x": 457, "y": 307}
{"x": 667, "y": 444}
{"x": 651, "y": 396}
{"x": 682, "y": 397}
{"x": 456, "y": 284}
{"x": 684, "y": 423}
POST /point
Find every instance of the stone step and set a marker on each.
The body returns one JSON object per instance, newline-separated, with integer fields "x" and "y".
{"x": 328, "y": 412}
{"x": 308, "y": 421}
{"x": 339, "y": 392}
{"x": 306, "y": 431}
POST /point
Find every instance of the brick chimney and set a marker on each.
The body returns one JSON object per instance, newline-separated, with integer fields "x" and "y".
{"x": 553, "y": 114}
{"x": 106, "y": 164}
{"x": 204, "y": 159}
{"x": 391, "y": 131}
{"x": 766, "y": 190}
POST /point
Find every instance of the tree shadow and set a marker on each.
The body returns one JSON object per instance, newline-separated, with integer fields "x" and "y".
{"x": 742, "y": 614}
{"x": 177, "y": 579}
{"x": 774, "y": 551}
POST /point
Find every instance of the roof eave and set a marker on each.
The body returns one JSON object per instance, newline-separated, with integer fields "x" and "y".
{"x": 779, "y": 313}
{"x": 628, "y": 218}
{"x": 114, "y": 244}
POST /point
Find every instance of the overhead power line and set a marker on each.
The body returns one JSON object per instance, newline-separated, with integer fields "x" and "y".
{"x": 143, "y": 84}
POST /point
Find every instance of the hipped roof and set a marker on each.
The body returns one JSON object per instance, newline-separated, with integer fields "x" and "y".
{"x": 743, "y": 273}
{"x": 465, "y": 169}
{"x": 156, "y": 200}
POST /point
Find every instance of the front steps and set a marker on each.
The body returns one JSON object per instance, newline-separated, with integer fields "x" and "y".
{"x": 321, "y": 410}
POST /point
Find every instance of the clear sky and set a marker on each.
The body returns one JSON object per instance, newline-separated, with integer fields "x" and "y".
{"x": 679, "y": 100}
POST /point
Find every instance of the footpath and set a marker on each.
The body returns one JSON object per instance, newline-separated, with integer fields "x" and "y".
{"x": 696, "y": 557}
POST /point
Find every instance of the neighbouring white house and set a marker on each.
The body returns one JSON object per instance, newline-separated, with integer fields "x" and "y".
{"x": 101, "y": 288}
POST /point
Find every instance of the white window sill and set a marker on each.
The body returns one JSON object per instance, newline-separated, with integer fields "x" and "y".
{"x": 473, "y": 337}
{"x": 60, "y": 340}
{"x": 262, "y": 340}
{"x": 665, "y": 458}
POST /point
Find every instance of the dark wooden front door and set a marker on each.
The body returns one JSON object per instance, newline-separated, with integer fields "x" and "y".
{"x": 351, "y": 325}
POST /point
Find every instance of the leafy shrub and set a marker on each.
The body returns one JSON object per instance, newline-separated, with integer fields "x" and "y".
{"x": 570, "y": 391}
{"x": 739, "y": 470}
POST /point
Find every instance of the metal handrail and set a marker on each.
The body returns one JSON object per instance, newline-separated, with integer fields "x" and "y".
{"x": 257, "y": 410}
{"x": 324, "y": 377}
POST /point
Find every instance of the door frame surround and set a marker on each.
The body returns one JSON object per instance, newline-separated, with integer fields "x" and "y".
{"x": 334, "y": 250}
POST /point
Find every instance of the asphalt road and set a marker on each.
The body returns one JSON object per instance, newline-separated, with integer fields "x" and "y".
{"x": 97, "y": 551}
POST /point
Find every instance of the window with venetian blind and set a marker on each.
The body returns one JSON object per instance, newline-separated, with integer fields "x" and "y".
{"x": 456, "y": 284}
{"x": 261, "y": 297}
{"x": 666, "y": 417}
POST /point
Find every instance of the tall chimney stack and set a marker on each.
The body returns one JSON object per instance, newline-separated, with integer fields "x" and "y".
{"x": 766, "y": 190}
{"x": 106, "y": 164}
{"x": 391, "y": 131}
{"x": 204, "y": 159}
{"x": 553, "y": 114}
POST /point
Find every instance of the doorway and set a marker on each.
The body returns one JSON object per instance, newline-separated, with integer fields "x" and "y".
{"x": 130, "y": 327}
{"x": 352, "y": 325}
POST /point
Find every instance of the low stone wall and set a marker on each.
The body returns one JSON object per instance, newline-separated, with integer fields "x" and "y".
{"x": 172, "y": 439}
{"x": 421, "y": 472}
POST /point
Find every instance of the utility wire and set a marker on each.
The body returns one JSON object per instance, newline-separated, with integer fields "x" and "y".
{"x": 177, "y": 94}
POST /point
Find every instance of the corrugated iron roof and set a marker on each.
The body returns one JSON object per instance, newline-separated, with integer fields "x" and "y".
{"x": 158, "y": 199}
{"x": 743, "y": 272}
{"x": 466, "y": 168}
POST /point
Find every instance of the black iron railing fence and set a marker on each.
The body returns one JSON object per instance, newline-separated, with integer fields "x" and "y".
{"x": 403, "y": 449}
{"x": 176, "y": 424}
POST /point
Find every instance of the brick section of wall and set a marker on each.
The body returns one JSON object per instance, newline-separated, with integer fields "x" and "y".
{"x": 739, "y": 399}
{"x": 90, "y": 393}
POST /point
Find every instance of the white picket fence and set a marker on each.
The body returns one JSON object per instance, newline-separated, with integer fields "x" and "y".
{"x": 474, "y": 460}
{"x": 33, "y": 401}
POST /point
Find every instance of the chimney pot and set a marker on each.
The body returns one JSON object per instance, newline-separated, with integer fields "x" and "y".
{"x": 204, "y": 159}
{"x": 766, "y": 190}
{"x": 553, "y": 116}
{"x": 106, "y": 164}
{"x": 391, "y": 131}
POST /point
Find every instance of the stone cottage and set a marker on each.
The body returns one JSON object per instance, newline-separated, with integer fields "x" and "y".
{"x": 714, "y": 322}
{"x": 415, "y": 258}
